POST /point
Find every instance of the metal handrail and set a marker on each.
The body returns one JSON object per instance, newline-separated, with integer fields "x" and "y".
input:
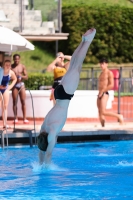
{"x": 33, "y": 115}
{"x": 32, "y": 110}
{"x": 4, "y": 119}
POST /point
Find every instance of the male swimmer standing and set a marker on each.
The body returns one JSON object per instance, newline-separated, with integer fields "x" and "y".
{"x": 56, "y": 117}
{"x": 105, "y": 83}
{"x": 19, "y": 89}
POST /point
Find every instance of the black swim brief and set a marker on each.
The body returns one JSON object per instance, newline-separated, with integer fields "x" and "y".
{"x": 59, "y": 93}
{"x": 42, "y": 141}
{"x": 104, "y": 93}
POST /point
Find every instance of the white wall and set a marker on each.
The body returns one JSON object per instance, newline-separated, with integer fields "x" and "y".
{"x": 82, "y": 105}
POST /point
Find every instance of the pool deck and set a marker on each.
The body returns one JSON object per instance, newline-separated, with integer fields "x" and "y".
{"x": 73, "y": 131}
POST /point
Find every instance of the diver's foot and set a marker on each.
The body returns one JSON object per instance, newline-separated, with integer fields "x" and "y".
{"x": 121, "y": 120}
{"x": 89, "y": 35}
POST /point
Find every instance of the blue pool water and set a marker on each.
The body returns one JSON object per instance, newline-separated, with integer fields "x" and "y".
{"x": 79, "y": 171}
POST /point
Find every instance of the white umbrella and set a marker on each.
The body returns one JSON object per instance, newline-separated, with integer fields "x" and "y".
{"x": 11, "y": 41}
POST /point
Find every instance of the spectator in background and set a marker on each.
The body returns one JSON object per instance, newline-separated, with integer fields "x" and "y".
{"x": 6, "y": 74}
{"x": 19, "y": 88}
{"x": 105, "y": 83}
{"x": 59, "y": 68}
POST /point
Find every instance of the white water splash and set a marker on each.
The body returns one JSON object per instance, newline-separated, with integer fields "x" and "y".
{"x": 36, "y": 167}
{"x": 125, "y": 164}
{"x": 108, "y": 155}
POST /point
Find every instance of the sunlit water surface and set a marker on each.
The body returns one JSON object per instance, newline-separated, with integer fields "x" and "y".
{"x": 79, "y": 171}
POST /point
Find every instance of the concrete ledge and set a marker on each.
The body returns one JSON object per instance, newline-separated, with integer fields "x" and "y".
{"x": 73, "y": 136}
{"x": 73, "y": 132}
{"x": 121, "y": 137}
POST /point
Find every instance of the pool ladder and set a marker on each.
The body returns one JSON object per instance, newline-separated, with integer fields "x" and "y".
{"x": 29, "y": 131}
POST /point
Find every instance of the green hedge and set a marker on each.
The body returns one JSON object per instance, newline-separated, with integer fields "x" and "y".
{"x": 123, "y": 94}
{"x": 36, "y": 80}
{"x": 114, "y": 37}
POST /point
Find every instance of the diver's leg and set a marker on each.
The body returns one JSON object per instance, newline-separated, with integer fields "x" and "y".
{"x": 71, "y": 79}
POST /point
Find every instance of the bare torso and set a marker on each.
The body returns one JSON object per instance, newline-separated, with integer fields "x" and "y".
{"x": 104, "y": 80}
{"x": 56, "y": 117}
{"x": 18, "y": 70}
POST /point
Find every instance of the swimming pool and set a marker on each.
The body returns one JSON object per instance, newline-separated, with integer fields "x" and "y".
{"x": 80, "y": 171}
